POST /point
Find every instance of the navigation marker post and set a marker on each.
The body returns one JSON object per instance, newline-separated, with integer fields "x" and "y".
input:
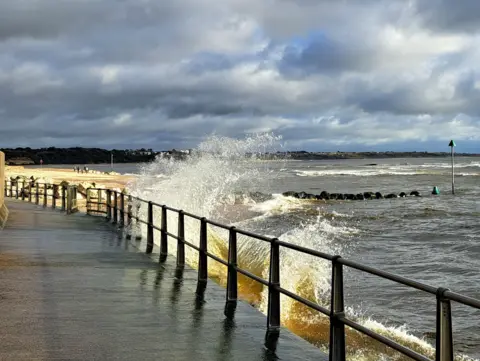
{"x": 452, "y": 145}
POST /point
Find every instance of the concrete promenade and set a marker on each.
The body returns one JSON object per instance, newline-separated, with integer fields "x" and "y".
{"x": 72, "y": 289}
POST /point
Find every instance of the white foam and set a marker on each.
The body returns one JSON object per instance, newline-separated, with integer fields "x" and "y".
{"x": 320, "y": 235}
{"x": 277, "y": 205}
{"x": 376, "y": 172}
{"x": 217, "y": 170}
{"x": 352, "y": 172}
{"x": 449, "y": 165}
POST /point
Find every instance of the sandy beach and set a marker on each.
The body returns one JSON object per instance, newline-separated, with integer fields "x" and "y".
{"x": 56, "y": 175}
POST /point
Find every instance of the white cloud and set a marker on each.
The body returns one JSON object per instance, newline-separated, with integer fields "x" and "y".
{"x": 170, "y": 72}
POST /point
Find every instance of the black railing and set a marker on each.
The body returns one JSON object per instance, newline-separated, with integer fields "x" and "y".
{"x": 116, "y": 210}
{"x": 123, "y": 210}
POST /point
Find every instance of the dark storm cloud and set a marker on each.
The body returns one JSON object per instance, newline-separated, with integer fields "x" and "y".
{"x": 123, "y": 73}
{"x": 450, "y": 15}
{"x": 325, "y": 55}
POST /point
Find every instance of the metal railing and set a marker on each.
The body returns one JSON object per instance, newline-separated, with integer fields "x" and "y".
{"x": 122, "y": 209}
{"x": 42, "y": 193}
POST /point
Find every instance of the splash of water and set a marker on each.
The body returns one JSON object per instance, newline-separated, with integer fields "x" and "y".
{"x": 206, "y": 181}
{"x": 218, "y": 168}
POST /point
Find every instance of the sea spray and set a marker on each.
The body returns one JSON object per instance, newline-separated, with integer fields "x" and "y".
{"x": 309, "y": 276}
{"x": 202, "y": 183}
{"x": 205, "y": 181}
{"x": 218, "y": 168}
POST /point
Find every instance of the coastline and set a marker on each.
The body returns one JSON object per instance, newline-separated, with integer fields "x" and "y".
{"x": 58, "y": 175}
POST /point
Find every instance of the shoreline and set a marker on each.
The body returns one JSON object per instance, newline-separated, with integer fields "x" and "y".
{"x": 58, "y": 175}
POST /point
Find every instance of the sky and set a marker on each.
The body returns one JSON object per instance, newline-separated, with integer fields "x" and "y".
{"x": 326, "y": 75}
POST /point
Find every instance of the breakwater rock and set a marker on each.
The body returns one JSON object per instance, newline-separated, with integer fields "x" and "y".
{"x": 349, "y": 196}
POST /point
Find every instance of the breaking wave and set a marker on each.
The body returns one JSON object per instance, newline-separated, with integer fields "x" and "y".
{"x": 378, "y": 172}
{"x": 205, "y": 184}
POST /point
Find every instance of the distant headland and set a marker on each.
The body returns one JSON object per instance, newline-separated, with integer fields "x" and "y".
{"x": 304, "y": 155}
{"x": 78, "y": 155}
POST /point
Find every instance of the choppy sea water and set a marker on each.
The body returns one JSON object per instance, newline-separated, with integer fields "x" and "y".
{"x": 431, "y": 239}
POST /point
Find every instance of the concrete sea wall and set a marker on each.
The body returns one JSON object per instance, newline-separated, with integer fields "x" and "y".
{"x": 3, "y": 208}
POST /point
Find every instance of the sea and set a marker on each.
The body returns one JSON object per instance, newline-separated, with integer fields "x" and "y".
{"x": 434, "y": 239}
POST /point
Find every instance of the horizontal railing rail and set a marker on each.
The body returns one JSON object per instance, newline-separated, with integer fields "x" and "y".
{"x": 117, "y": 210}
{"x": 123, "y": 210}
{"x": 44, "y": 193}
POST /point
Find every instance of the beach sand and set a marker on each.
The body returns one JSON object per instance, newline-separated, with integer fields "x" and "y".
{"x": 56, "y": 175}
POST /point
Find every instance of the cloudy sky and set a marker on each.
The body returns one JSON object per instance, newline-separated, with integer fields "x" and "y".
{"x": 324, "y": 74}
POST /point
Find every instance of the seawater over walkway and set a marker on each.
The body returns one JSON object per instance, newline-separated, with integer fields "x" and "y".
{"x": 71, "y": 289}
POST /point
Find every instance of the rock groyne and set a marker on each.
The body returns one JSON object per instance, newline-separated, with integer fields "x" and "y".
{"x": 350, "y": 196}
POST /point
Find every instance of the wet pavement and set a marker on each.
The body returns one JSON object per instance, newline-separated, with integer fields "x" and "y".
{"x": 71, "y": 289}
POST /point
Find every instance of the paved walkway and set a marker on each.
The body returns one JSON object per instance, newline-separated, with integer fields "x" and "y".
{"x": 70, "y": 289}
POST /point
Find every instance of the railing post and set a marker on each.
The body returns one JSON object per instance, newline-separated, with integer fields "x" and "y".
{"x": 54, "y": 196}
{"x": 45, "y": 198}
{"x": 232, "y": 285}
{"x": 69, "y": 199}
{"x": 273, "y": 293}
{"x": 273, "y": 312}
{"x": 150, "y": 228}
{"x": 30, "y": 190}
{"x": 444, "y": 338}
{"x": 109, "y": 205}
{"x": 16, "y": 189}
{"x": 115, "y": 208}
{"x": 23, "y": 190}
{"x": 64, "y": 201}
{"x": 164, "y": 236}
{"x": 88, "y": 200}
{"x": 11, "y": 188}
{"x": 202, "y": 258}
{"x": 72, "y": 205}
{"x": 99, "y": 200}
{"x": 337, "y": 310}
{"x": 129, "y": 218}
{"x": 37, "y": 195}
{"x": 122, "y": 209}
{"x": 181, "y": 240}
{"x": 138, "y": 229}
{"x": 5, "y": 189}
